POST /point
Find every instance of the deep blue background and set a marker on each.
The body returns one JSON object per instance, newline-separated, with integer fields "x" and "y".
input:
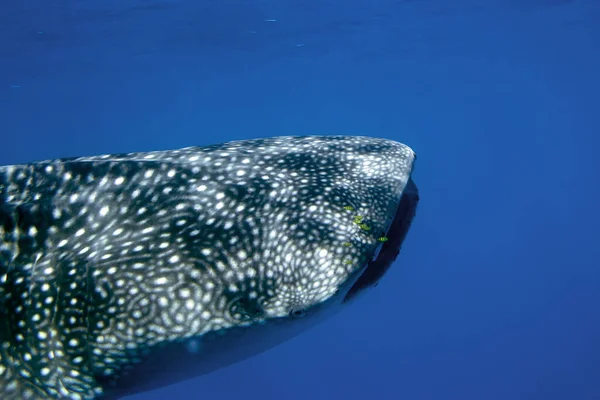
{"x": 496, "y": 294}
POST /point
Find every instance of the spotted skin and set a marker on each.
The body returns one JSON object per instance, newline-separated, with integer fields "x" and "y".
{"x": 112, "y": 267}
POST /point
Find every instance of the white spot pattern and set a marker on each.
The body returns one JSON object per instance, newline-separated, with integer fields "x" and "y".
{"x": 104, "y": 259}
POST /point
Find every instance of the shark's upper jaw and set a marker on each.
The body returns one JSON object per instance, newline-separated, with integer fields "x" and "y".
{"x": 390, "y": 249}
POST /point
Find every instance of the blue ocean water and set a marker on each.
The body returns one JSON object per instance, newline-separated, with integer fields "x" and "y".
{"x": 496, "y": 294}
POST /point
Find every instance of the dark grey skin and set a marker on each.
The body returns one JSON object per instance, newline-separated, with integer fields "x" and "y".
{"x": 124, "y": 273}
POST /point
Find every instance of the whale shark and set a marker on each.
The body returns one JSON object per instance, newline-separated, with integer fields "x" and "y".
{"x": 124, "y": 273}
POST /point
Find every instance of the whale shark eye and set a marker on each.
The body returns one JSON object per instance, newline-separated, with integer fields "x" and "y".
{"x": 297, "y": 312}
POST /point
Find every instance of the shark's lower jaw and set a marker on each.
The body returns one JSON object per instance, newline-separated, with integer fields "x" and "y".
{"x": 391, "y": 248}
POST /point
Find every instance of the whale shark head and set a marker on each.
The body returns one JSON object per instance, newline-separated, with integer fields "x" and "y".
{"x": 144, "y": 269}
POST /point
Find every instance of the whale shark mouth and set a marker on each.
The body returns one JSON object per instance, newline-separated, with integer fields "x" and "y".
{"x": 390, "y": 249}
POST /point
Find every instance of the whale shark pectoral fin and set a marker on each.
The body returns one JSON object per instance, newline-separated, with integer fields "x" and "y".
{"x": 44, "y": 343}
{"x": 44, "y": 310}
{"x": 13, "y": 294}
